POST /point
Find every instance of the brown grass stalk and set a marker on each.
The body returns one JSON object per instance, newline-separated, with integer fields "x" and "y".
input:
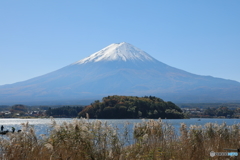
{"x": 96, "y": 140}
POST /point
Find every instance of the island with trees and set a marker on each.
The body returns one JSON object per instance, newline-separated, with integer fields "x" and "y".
{"x": 132, "y": 107}
{"x": 124, "y": 107}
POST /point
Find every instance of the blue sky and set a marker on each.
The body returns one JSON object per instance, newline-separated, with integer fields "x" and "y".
{"x": 38, "y": 37}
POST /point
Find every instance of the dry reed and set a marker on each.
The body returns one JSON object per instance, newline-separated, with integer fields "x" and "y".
{"x": 97, "y": 140}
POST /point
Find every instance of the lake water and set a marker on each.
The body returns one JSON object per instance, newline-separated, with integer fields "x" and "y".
{"x": 43, "y": 126}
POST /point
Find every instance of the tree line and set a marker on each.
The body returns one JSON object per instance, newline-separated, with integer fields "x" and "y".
{"x": 220, "y": 111}
{"x": 117, "y": 107}
{"x": 65, "y": 111}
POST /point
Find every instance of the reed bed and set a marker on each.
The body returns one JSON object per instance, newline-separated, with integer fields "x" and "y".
{"x": 97, "y": 140}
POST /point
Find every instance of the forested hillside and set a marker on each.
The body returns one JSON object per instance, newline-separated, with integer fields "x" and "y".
{"x": 65, "y": 111}
{"x": 117, "y": 107}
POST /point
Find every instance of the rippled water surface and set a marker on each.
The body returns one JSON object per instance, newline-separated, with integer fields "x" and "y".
{"x": 43, "y": 126}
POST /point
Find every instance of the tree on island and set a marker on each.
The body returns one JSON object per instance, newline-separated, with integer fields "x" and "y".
{"x": 119, "y": 107}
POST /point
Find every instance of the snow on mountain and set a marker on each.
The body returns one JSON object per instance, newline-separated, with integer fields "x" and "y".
{"x": 118, "y": 51}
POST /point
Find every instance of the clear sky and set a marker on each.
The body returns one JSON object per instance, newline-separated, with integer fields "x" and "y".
{"x": 198, "y": 36}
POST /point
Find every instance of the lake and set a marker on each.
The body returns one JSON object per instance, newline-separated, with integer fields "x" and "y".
{"x": 43, "y": 126}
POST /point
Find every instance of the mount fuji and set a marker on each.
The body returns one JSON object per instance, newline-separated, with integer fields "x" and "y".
{"x": 119, "y": 69}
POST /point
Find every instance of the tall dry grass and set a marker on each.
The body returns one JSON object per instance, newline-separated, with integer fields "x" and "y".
{"x": 97, "y": 140}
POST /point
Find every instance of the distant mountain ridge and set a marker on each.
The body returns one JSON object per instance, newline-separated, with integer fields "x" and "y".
{"x": 119, "y": 69}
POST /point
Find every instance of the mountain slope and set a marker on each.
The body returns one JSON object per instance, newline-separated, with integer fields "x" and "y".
{"x": 120, "y": 69}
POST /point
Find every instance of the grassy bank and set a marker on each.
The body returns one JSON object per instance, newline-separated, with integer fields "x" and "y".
{"x": 84, "y": 140}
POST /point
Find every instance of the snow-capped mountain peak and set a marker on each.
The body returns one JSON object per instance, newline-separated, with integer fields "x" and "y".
{"x": 118, "y": 52}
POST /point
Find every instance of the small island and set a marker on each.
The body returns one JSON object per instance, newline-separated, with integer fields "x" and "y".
{"x": 132, "y": 107}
